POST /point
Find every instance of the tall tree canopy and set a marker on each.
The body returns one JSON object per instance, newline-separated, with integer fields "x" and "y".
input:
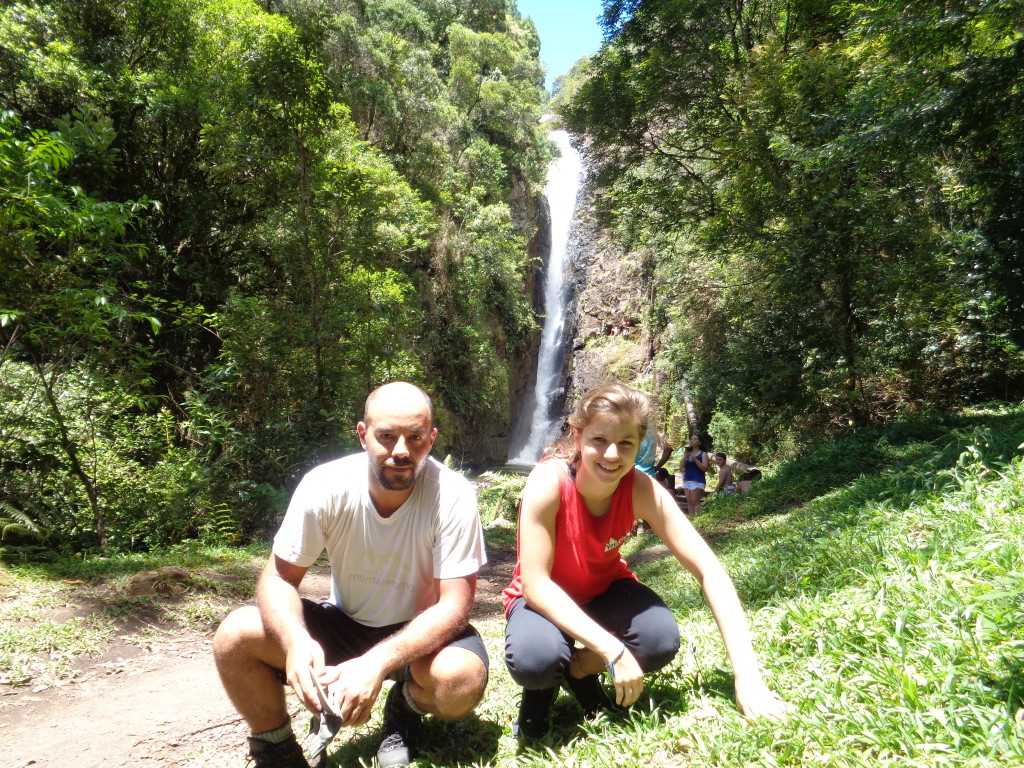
{"x": 831, "y": 191}
{"x": 342, "y": 194}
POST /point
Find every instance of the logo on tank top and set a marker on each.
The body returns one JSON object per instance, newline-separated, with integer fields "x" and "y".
{"x": 613, "y": 544}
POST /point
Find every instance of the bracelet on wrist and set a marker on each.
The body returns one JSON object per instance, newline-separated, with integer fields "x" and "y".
{"x": 610, "y": 666}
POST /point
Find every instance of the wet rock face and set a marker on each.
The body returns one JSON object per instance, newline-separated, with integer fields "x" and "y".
{"x": 521, "y": 389}
{"x": 612, "y": 286}
{"x": 618, "y": 359}
{"x": 612, "y": 302}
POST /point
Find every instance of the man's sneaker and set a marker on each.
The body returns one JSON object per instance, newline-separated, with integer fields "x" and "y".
{"x": 533, "y": 713}
{"x": 283, "y": 754}
{"x": 589, "y": 693}
{"x": 401, "y": 727}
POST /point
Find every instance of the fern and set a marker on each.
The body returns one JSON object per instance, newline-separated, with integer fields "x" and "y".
{"x": 16, "y": 524}
{"x": 221, "y": 525}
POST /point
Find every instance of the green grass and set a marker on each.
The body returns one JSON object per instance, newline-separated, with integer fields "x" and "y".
{"x": 883, "y": 576}
{"x": 54, "y": 611}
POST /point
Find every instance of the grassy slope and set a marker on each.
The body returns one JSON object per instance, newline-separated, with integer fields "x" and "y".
{"x": 886, "y": 603}
{"x": 882, "y": 575}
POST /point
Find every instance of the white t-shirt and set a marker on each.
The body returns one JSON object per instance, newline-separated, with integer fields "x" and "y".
{"x": 383, "y": 569}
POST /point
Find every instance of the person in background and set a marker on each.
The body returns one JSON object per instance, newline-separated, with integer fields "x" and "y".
{"x": 747, "y": 479}
{"x": 574, "y": 610}
{"x": 654, "y": 452}
{"x": 726, "y": 486}
{"x": 726, "y": 478}
{"x": 694, "y": 467}
{"x": 647, "y": 454}
{"x": 405, "y": 544}
{"x": 661, "y": 474}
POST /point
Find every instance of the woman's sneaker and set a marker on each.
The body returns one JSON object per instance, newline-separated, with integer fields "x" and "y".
{"x": 589, "y": 693}
{"x": 533, "y": 713}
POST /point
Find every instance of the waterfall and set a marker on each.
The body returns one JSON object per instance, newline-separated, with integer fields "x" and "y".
{"x": 549, "y": 392}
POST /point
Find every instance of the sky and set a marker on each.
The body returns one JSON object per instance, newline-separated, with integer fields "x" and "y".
{"x": 568, "y": 29}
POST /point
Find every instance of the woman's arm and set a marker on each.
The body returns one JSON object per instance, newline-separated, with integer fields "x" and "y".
{"x": 702, "y": 460}
{"x": 752, "y": 694}
{"x": 536, "y": 555}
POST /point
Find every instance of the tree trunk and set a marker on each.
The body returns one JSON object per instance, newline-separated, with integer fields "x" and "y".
{"x": 68, "y": 445}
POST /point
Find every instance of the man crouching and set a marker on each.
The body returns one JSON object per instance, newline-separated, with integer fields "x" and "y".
{"x": 405, "y": 543}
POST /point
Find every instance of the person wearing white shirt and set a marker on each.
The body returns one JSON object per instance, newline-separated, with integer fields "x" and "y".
{"x": 404, "y": 540}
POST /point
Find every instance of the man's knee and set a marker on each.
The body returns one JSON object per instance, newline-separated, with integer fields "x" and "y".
{"x": 240, "y": 629}
{"x": 459, "y": 678}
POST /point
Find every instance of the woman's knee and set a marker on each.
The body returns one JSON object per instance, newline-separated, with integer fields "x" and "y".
{"x": 536, "y": 651}
{"x": 534, "y": 670}
{"x": 658, "y": 641}
{"x": 537, "y": 664}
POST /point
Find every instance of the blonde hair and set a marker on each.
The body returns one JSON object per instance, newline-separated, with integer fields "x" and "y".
{"x": 615, "y": 398}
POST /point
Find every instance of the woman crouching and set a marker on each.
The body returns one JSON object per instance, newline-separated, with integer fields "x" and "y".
{"x": 570, "y": 585}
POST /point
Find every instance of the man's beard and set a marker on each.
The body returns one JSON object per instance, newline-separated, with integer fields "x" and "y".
{"x": 401, "y": 483}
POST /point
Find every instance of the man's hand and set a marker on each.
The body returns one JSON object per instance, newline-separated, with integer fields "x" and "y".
{"x": 305, "y": 658}
{"x": 355, "y": 686}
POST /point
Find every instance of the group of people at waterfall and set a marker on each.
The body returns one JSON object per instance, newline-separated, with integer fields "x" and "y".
{"x": 655, "y": 451}
{"x": 405, "y": 544}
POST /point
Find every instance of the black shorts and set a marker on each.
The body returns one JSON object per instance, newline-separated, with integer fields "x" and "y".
{"x": 344, "y": 638}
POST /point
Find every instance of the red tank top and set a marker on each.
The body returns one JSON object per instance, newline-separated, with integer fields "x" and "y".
{"x": 586, "y": 557}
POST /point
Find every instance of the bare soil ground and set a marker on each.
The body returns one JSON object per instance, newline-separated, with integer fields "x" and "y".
{"x": 158, "y": 704}
{"x": 152, "y": 697}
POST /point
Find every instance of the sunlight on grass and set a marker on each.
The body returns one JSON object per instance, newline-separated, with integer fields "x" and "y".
{"x": 56, "y": 611}
{"x": 33, "y": 650}
{"x": 882, "y": 576}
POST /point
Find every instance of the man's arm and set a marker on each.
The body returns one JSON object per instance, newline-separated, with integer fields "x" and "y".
{"x": 431, "y": 629}
{"x": 359, "y": 680}
{"x": 281, "y": 610}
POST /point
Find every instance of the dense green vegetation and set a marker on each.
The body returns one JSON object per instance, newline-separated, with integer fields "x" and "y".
{"x": 881, "y": 574}
{"x": 222, "y": 222}
{"x": 832, "y": 194}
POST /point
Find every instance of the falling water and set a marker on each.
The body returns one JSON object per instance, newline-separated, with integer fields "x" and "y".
{"x": 562, "y": 187}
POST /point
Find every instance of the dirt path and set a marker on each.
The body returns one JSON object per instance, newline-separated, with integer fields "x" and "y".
{"x": 158, "y": 706}
{"x": 162, "y": 705}
{"x": 129, "y": 707}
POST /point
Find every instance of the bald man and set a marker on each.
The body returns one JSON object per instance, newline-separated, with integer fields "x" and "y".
{"x": 405, "y": 543}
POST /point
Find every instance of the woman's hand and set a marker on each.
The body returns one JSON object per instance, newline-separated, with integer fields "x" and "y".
{"x": 755, "y": 699}
{"x": 628, "y": 679}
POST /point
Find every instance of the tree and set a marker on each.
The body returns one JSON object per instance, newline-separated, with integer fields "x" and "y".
{"x": 784, "y": 163}
{"x": 329, "y": 217}
{"x": 62, "y": 309}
